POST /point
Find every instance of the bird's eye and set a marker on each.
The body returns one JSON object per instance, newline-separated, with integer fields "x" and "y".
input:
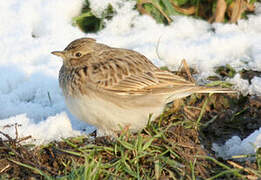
{"x": 78, "y": 54}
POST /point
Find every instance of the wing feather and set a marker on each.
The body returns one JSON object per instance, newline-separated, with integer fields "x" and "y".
{"x": 128, "y": 72}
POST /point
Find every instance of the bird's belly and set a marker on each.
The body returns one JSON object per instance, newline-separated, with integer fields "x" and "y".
{"x": 108, "y": 116}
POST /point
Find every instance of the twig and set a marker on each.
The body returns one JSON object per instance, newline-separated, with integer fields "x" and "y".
{"x": 16, "y": 132}
{"x": 186, "y": 67}
{"x": 24, "y": 139}
{"x": 5, "y": 168}
{"x": 241, "y": 167}
{"x": 7, "y": 136}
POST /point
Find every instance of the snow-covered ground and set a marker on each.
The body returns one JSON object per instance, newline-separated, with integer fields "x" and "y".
{"x": 31, "y": 29}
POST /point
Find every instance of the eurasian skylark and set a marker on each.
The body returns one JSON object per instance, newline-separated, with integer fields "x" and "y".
{"x": 112, "y": 88}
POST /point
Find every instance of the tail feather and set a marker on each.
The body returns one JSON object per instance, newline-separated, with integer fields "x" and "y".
{"x": 204, "y": 89}
{"x": 179, "y": 93}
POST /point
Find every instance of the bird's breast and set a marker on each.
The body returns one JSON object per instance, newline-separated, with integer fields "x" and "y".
{"x": 73, "y": 81}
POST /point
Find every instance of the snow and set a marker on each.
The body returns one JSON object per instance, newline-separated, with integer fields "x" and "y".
{"x": 255, "y": 87}
{"x": 52, "y": 128}
{"x": 235, "y": 146}
{"x": 241, "y": 85}
{"x": 30, "y": 30}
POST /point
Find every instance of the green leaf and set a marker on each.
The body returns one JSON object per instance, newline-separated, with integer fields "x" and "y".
{"x": 169, "y": 7}
{"x": 83, "y": 15}
{"x": 126, "y": 145}
{"x": 154, "y": 13}
{"x": 38, "y": 171}
{"x": 180, "y": 2}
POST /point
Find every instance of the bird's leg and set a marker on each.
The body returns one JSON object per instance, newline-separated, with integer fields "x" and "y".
{"x": 186, "y": 67}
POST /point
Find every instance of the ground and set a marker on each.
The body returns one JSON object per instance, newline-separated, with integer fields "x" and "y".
{"x": 178, "y": 144}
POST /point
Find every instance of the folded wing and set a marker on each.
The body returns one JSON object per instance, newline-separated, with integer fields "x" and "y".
{"x": 128, "y": 72}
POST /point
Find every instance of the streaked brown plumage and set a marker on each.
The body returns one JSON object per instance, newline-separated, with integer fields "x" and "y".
{"x": 113, "y": 87}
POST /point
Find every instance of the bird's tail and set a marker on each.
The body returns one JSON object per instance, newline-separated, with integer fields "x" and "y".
{"x": 186, "y": 91}
{"x": 204, "y": 89}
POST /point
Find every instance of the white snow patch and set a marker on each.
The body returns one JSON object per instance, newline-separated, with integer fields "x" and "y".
{"x": 255, "y": 87}
{"x": 240, "y": 84}
{"x": 53, "y": 128}
{"x": 235, "y": 146}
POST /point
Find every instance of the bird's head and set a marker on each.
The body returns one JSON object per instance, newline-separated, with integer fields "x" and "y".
{"x": 76, "y": 51}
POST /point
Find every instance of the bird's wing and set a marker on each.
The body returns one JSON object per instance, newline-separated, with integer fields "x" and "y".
{"x": 128, "y": 72}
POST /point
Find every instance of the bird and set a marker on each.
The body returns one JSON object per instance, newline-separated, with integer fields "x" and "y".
{"x": 112, "y": 88}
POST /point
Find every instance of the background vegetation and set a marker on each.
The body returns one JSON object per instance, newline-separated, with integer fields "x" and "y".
{"x": 162, "y": 11}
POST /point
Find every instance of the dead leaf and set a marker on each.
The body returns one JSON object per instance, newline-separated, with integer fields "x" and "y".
{"x": 220, "y": 11}
{"x": 188, "y": 11}
{"x": 237, "y": 8}
{"x": 143, "y": 11}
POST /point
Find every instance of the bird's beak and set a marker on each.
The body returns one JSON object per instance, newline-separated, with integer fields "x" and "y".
{"x": 59, "y": 53}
